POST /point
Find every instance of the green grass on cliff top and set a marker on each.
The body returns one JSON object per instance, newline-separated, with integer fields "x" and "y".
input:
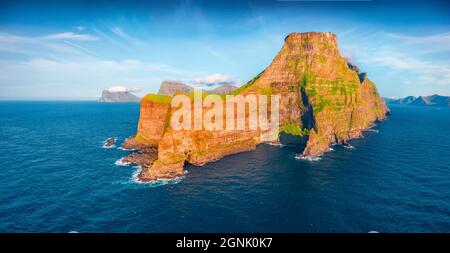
{"x": 294, "y": 130}
{"x": 158, "y": 98}
{"x": 245, "y": 86}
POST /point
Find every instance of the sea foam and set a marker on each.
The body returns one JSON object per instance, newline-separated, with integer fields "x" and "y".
{"x": 120, "y": 162}
{"x": 112, "y": 146}
{"x": 155, "y": 183}
{"x": 275, "y": 144}
{"x": 348, "y": 146}
{"x": 308, "y": 158}
{"x": 125, "y": 149}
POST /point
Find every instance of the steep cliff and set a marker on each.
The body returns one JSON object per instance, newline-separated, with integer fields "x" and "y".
{"x": 324, "y": 100}
{"x": 153, "y": 120}
{"x": 322, "y": 94}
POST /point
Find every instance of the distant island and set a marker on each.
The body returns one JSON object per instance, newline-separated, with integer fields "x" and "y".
{"x": 118, "y": 94}
{"x": 433, "y": 100}
{"x": 324, "y": 100}
{"x": 169, "y": 88}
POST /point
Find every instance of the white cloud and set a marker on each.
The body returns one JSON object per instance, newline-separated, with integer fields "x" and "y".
{"x": 214, "y": 79}
{"x": 427, "y": 44}
{"x": 436, "y": 38}
{"x": 71, "y": 36}
{"x": 410, "y": 60}
{"x": 119, "y": 89}
{"x": 45, "y": 46}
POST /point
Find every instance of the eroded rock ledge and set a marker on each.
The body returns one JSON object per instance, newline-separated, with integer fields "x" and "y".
{"x": 325, "y": 100}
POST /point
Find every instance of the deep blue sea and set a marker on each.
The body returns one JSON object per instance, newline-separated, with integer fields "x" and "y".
{"x": 56, "y": 177}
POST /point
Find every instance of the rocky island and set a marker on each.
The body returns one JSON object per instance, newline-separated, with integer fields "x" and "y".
{"x": 118, "y": 94}
{"x": 325, "y": 100}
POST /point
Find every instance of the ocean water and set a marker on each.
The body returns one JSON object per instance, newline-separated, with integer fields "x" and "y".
{"x": 55, "y": 176}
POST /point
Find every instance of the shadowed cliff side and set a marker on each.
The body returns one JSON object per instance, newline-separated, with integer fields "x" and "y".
{"x": 324, "y": 100}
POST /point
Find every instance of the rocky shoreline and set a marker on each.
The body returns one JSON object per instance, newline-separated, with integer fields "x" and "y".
{"x": 143, "y": 155}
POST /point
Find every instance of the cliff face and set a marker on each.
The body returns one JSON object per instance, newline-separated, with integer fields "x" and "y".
{"x": 322, "y": 93}
{"x": 198, "y": 147}
{"x": 153, "y": 119}
{"x": 324, "y": 100}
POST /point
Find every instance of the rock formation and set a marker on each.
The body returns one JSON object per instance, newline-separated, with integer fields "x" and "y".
{"x": 169, "y": 88}
{"x": 223, "y": 89}
{"x": 117, "y": 94}
{"x": 325, "y": 100}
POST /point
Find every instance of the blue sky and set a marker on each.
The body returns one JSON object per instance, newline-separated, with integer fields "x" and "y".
{"x": 75, "y": 49}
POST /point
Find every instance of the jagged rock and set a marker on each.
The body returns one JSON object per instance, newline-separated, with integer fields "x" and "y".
{"x": 145, "y": 160}
{"x": 109, "y": 142}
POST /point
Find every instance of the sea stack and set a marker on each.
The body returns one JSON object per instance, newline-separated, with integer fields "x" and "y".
{"x": 325, "y": 100}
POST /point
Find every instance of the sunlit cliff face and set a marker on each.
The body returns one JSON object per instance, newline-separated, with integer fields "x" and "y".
{"x": 314, "y": 94}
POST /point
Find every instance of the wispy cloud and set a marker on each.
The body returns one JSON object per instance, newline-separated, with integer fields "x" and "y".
{"x": 125, "y": 36}
{"x": 436, "y": 43}
{"x": 218, "y": 55}
{"x": 411, "y": 60}
{"x": 70, "y": 36}
{"x": 214, "y": 79}
{"x": 47, "y": 78}
{"x": 63, "y": 44}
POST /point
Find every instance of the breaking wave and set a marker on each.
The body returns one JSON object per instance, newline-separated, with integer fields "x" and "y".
{"x": 112, "y": 146}
{"x": 308, "y": 158}
{"x": 155, "y": 183}
{"x": 348, "y": 146}
{"x": 275, "y": 144}
{"x": 124, "y": 149}
{"x": 120, "y": 162}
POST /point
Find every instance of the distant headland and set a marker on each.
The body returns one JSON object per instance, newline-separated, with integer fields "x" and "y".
{"x": 118, "y": 94}
{"x": 433, "y": 100}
